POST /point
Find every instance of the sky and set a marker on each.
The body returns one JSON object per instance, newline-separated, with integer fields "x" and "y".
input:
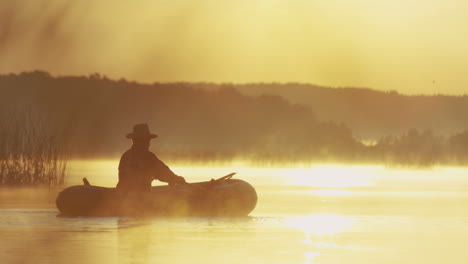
{"x": 411, "y": 46}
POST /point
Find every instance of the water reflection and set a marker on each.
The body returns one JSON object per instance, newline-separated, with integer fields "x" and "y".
{"x": 311, "y": 256}
{"x": 133, "y": 240}
{"x": 184, "y": 240}
{"x": 333, "y": 176}
{"x": 321, "y": 224}
{"x": 331, "y": 193}
{"x": 319, "y": 214}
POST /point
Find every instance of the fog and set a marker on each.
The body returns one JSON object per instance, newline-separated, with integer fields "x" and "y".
{"x": 332, "y": 43}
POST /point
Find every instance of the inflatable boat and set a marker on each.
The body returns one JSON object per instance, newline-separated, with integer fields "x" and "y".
{"x": 224, "y": 197}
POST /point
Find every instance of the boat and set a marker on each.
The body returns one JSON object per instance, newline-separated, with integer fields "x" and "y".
{"x": 224, "y": 197}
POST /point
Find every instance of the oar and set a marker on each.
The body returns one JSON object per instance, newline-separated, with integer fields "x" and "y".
{"x": 86, "y": 182}
{"x": 227, "y": 177}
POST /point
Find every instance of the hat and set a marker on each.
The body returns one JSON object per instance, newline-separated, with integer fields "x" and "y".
{"x": 141, "y": 131}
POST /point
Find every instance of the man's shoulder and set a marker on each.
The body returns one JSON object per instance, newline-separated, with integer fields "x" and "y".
{"x": 127, "y": 156}
{"x": 152, "y": 155}
{"x": 131, "y": 153}
{"x": 127, "y": 153}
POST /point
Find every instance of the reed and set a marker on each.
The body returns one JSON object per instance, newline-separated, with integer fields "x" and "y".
{"x": 31, "y": 151}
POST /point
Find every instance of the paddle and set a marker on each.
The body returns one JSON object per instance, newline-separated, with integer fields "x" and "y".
{"x": 213, "y": 181}
{"x": 201, "y": 192}
{"x": 86, "y": 182}
{"x": 227, "y": 177}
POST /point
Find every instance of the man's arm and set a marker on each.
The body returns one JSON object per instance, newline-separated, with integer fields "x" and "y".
{"x": 165, "y": 174}
{"x": 124, "y": 169}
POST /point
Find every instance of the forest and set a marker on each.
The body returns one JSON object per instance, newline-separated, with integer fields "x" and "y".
{"x": 371, "y": 113}
{"x": 90, "y": 115}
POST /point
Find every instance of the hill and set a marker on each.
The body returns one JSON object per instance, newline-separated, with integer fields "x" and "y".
{"x": 89, "y": 116}
{"x": 369, "y": 113}
{"x": 95, "y": 113}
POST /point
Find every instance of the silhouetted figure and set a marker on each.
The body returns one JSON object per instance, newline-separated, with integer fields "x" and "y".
{"x": 139, "y": 167}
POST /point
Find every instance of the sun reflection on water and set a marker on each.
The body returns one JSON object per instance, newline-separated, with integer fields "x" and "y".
{"x": 310, "y": 256}
{"x": 333, "y": 176}
{"x": 321, "y": 224}
{"x": 331, "y": 193}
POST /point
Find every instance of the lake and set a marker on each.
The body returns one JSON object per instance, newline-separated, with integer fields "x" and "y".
{"x": 305, "y": 214}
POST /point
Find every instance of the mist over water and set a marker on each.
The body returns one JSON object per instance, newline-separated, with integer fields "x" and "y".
{"x": 267, "y": 123}
{"x": 305, "y": 214}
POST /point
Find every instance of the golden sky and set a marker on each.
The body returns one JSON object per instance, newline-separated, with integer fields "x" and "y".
{"x": 412, "y": 46}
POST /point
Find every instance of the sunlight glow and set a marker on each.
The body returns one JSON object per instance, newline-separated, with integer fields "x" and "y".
{"x": 105, "y": 172}
{"x": 310, "y": 256}
{"x": 333, "y": 176}
{"x": 361, "y": 43}
{"x": 331, "y": 192}
{"x": 321, "y": 224}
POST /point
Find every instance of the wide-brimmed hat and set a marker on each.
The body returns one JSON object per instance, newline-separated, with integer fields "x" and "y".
{"x": 141, "y": 131}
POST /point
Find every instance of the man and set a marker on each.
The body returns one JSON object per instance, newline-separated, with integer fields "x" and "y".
{"x": 139, "y": 167}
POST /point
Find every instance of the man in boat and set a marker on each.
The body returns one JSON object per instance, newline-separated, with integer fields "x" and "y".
{"x": 139, "y": 167}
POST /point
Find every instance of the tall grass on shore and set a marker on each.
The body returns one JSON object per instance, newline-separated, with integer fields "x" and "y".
{"x": 30, "y": 151}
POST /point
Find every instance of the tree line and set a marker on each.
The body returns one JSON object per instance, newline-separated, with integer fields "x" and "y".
{"x": 91, "y": 115}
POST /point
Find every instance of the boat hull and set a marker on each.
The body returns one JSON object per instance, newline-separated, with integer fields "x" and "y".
{"x": 228, "y": 198}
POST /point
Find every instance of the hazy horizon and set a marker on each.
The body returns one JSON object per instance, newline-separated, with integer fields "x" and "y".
{"x": 410, "y": 47}
{"x": 227, "y": 83}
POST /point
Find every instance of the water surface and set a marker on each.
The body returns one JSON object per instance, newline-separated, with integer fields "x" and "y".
{"x": 307, "y": 214}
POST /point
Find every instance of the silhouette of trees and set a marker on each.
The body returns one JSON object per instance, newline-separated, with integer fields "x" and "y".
{"x": 371, "y": 113}
{"x": 98, "y": 112}
{"x": 458, "y": 145}
{"x": 412, "y": 148}
{"x": 202, "y": 121}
